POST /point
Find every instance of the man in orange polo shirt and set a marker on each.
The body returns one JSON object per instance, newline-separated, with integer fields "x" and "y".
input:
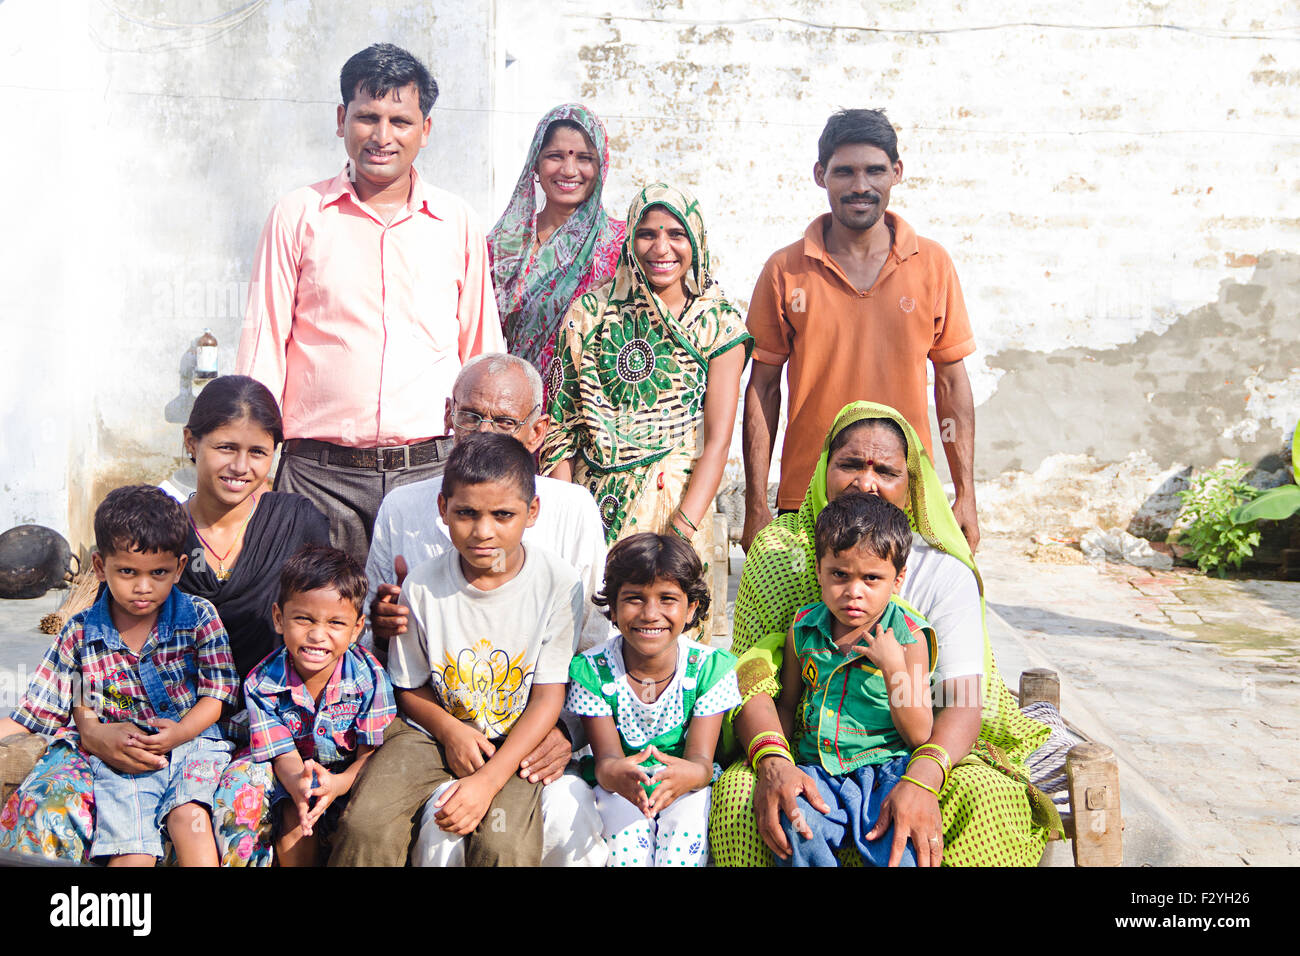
{"x": 856, "y": 308}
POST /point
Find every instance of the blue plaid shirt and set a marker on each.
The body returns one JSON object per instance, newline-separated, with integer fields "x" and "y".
{"x": 356, "y": 706}
{"x": 187, "y": 656}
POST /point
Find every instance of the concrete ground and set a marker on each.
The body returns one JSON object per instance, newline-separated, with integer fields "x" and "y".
{"x": 1193, "y": 681}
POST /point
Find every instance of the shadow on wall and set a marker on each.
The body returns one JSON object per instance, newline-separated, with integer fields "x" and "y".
{"x": 1192, "y": 394}
{"x": 177, "y": 410}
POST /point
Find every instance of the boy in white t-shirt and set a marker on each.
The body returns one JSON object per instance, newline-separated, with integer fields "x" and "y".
{"x": 479, "y": 675}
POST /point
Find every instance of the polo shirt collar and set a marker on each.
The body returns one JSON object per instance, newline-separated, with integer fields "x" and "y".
{"x": 905, "y": 242}
{"x": 177, "y": 613}
{"x": 341, "y": 187}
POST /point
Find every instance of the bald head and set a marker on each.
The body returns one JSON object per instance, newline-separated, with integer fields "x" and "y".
{"x": 500, "y": 386}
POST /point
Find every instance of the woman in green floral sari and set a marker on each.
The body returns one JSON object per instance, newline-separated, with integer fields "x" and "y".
{"x": 651, "y": 379}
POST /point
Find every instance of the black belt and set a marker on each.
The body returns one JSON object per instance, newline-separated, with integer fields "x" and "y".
{"x": 383, "y": 458}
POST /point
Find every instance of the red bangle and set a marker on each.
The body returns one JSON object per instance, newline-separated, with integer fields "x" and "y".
{"x": 771, "y": 739}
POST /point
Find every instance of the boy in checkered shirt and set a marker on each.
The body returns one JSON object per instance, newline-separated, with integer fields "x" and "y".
{"x": 149, "y": 669}
{"x": 317, "y": 708}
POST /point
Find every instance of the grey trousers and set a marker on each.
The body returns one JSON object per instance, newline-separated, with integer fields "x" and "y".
{"x": 384, "y": 809}
{"x": 349, "y": 497}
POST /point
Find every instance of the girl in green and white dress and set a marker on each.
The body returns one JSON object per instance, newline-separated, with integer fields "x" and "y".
{"x": 652, "y": 704}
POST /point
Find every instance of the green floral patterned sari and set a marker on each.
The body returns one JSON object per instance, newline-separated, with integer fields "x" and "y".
{"x": 631, "y": 401}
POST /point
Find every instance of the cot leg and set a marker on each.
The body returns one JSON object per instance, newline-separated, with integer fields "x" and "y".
{"x": 1040, "y": 684}
{"x": 1093, "y": 775}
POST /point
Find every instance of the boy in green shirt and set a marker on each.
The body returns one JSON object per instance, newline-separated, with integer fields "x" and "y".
{"x": 855, "y": 681}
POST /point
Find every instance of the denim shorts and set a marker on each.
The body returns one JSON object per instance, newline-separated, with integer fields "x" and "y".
{"x": 854, "y": 799}
{"x": 131, "y": 808}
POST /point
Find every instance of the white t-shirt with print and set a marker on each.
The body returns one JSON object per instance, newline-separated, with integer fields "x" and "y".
{"x": 482, "y": 651}
{"x": 568, "y": 524}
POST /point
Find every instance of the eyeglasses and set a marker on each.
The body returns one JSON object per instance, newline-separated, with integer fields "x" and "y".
{"x": 473, "y": 421}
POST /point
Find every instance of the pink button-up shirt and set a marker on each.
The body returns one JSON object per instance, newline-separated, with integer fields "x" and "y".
{"x": 359, "y": 327}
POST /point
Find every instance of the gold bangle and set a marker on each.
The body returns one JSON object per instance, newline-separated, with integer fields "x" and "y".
{"x": 919, "y": 784}
{"x": 942, "y": 769}
{"x": 947, "y": 761}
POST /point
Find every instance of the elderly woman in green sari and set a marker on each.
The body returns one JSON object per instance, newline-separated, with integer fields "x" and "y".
{"x": 969, "y": 801}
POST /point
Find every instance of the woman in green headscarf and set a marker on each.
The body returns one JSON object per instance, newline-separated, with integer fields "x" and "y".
{"x": 650, "y": 379}
{"x": 987, "y": 814}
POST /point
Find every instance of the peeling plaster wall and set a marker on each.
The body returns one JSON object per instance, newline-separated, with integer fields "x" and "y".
{"x": 148, "y": 161}
{"x": 1120, "y": 198}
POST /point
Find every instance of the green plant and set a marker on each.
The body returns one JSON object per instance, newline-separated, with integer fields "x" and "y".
{"x": 1276, "y": 504}
{"x": 1217, "y": 542}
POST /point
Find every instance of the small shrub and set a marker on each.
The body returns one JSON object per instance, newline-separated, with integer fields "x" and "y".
{"x": 1217, "y": 542}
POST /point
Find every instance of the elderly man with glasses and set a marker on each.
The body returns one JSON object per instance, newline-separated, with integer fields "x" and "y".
{"x": 502, "y": 393}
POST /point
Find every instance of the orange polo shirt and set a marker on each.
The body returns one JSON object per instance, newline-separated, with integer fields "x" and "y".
{"x": 843, "y": 345}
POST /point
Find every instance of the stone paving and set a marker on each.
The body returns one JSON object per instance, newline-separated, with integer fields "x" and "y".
{"x": 1194, "y": 681}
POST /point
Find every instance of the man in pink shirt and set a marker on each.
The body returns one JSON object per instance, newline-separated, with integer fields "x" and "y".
{"x": 369, "y": 291}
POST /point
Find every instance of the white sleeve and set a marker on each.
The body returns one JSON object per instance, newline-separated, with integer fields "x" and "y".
{"x": 590, "y": 564}
{"x": 945, "y": 591}
{"x": 720, "y": 698}
{"x": 379, "y": 562}
{"x": 408, "y": 656}
{"x": 560, "y": 636}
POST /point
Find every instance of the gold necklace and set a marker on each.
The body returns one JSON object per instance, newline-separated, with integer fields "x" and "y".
{"x": 221, "y": 572}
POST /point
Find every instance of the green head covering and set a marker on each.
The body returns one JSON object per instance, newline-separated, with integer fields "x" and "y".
{"x": 927, "y": 506}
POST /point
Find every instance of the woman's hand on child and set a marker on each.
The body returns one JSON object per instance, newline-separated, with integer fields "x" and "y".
{"x": 467, "y": 749}
{"x": 776, "y": 790}
{"x": 882, "y": 649}
{"x": 112, "y": 743}
{"x": 625, "y": 777}
{"x": 463, "y": 805}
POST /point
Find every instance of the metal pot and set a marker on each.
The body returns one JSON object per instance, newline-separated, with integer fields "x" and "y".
{"x": 33, "y": 559}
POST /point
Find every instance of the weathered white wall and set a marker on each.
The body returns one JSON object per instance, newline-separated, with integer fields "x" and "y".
{"x": 1098, "y": 174}
{"x": 1120, "y": 197}
{"x": 139, "y": 177}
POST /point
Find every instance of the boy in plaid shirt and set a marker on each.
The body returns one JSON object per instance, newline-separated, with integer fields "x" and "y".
{"x": 153, "y": 665}
{"x": 318, "y": 706}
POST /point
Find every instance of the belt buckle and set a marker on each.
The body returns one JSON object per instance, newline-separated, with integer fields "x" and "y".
{"x": 381, "y": 460}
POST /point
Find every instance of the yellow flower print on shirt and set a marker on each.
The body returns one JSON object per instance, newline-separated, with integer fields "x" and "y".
{"x": 483, "y": 684}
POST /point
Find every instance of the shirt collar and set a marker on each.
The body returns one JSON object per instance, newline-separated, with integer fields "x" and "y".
{"x": 177, "y": 613}
{"x": 348, "y": 680}
{"x": 905, "y": 243}
{"x": 341, "y": 187}
{"x": 817, "y": 619}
